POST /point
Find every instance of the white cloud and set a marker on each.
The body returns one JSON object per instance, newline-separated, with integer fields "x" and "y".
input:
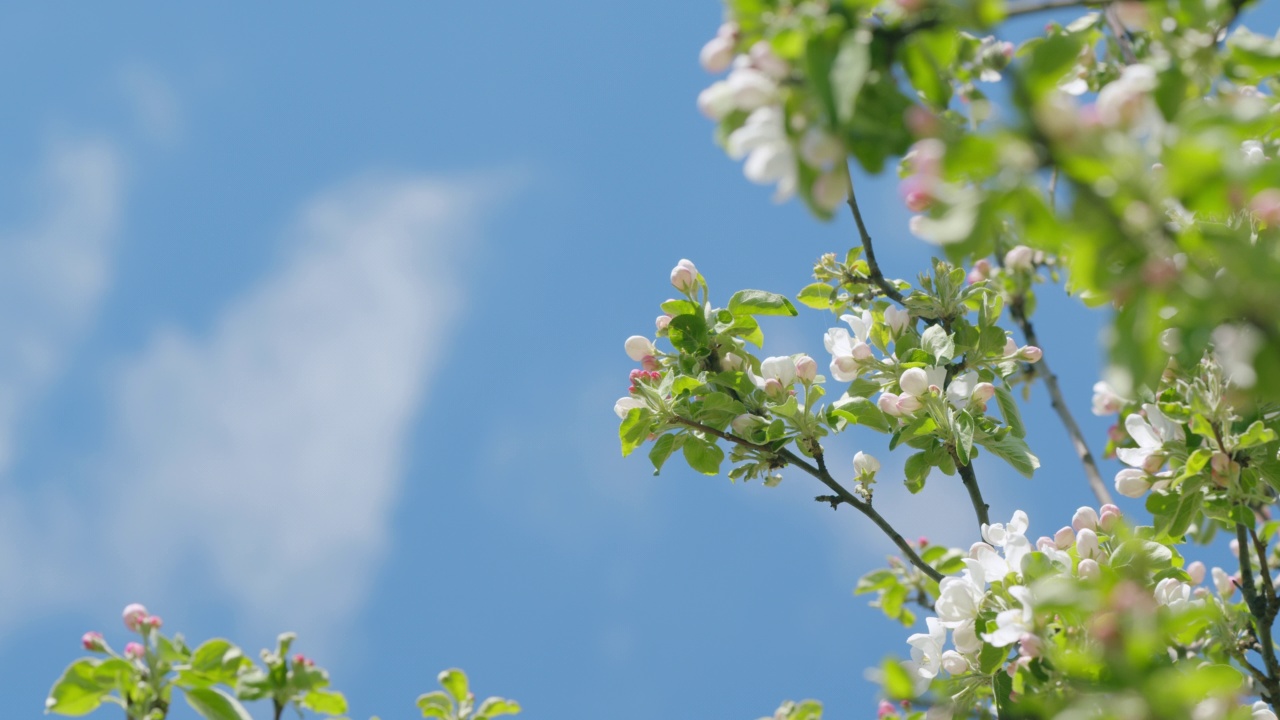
{"x": 154, "y": 103}
{"x": 268, "y": 454}
{"x": 53, "y": 273}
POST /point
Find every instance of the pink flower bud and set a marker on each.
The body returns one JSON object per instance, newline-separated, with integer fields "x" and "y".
{"x": 1223, "y": 583}
{"x": 661, "y": 323}
{"x": 1010, "y": 347}
{"x": 1031, "y": 354}
{"x": 1029, "y": 646}
{"x": 1064, "y": 538}
{"x": 1020, "y": 258}
{"x": 981, "y": 271}
{"x": 888, "y": 403}
{"x": 1132, "y": 483}
{"x": 1266, "y": 206}
{"x": 684, "y": 276}
{"x": 133, "y": 616}
{"x": 806, "y": 368}
{"x": 1108, "y": 520}
{"x": 638, "y": 347}
{"x": 717, "y": 54}
{"x": 1085, "y": 517}
{"x": 914, "y": 382}
{"x": 300, "y": 659}
{"x": 134, "y": 650}
{"x": 1234, "y": 546}
{"x": 648, "y": 362}
{"x": 983, "y": 392}
{"x": 921, "y": 122}
{"x": 1111, "y": 508}
{"x": 1088, "y": 569}
{"x": 92, "y": 641}
{"x": 897, "y": 319}
{"x": 908, "y": 404}
{"x": 886, "y": 710}
{"x": 1196, "y": 572}
{"x": 152, "y": 621}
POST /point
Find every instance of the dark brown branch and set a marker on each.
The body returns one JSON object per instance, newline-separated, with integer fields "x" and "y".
{"x": 970, "y": 479}
{"x": 1264, "y": 570}
{"x": 825, "y": 478}
{"x": 1096, "y": 483}
{"x": 1264, "y": 616}
{"x": 877, "y": 277}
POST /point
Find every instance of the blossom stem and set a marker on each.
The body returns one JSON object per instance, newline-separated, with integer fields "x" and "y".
{"x": 1264, "y": 615}
{"x": 877, "y": 277}
{"x": 820, "y": 472}
{"x": 1017, "y": 309}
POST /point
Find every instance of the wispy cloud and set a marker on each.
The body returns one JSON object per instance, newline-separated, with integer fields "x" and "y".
{"x": 154, "y": 103}
{"x": 269, "y": 452}
{"x": 54, "y": 272}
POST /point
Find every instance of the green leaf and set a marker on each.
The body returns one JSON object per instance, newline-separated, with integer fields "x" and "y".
{"x": 454, "y": 681}
{"x": 875, "y": 580}
{"x": 1049, "y": 61}
{"x": 1009, "y": 411}
{"x": 1002, "y": 686}
{"x": 494, "y": 707}
{"x": 759, "y": 302}
{"x": 435, "y": 705}
{"x": 849, "y": 73}
{"x": 938, "y": 342}
{"x": 703, "y": 455}
{"x": 964, "y": 436}
{"x": 78, "y": 691}
{"x": 663, "y": 448}
{"x": 897, "y": 683}
{"x": 688, "y": 333}
{"x": 816, "y": 296}
{"x": 991, "y": 658}
{"x": 718, "y": 410}
{"x": 861, "y": 411}
{"x": 1013, "y": 450}
{"x": 214, "y": 704}
{"x": 634, "y": 429}
{"x": 325, "y": 702}
{"x": 917, "y": 470}
{"x": 679, "y": 307}
{"x": 1188, "y": 508}
{"x": 1256, "y": 434}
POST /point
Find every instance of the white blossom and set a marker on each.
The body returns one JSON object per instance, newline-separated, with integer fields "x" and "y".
{"x": 1106, "y": 401}
{"x": 1013, "y": 623}
{"x": 965, "y": 638}
{"x": 639, "y": 347}
{"x": 626, "y": 404}
{"x": 1084, "y": 517}
{"x": 1174, "y": 594}
{"x": 763, "y": 141}
{"x": 1087, "y": 546}
{"x": 1132, "y": 482}
{"x": 865, "y": 464}
{"x": 717, "y": 54}
{"x": 684, "y": 276}
{"x": 926, "y": 648}
{"x": 1234, "y": 347}
{"x": 1126, "y": 101}
{"x": 1020, "y": 257}
{"x": 1088, "y": 569}
{"x": 897, "y": 319}
{"x": 960, "y": 389}
{"x": 1262, "y": 711}
{"x": 847, "y": 354}
{"x": 958, "y": 601}
{"x": 1223, "y": 583}
{"x": 917, "y": 381}
{"x": 1151, "y": 434}
{"x": 954, "y": 663}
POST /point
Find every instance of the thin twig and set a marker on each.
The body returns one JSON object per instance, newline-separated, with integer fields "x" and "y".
{"x": 842, "y": 494}
{"x": 885, "y": 286}
{"x": 1029, "y": 8}
{"x": 1096, "y": 483}
{"x": 1122, "y": 35}
{"x": 1263, "y": 617}
{"x": 1264, "y": 570}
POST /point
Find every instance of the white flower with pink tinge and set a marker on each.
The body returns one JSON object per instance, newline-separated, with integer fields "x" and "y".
{"x": 762, "y": 141}
{"x": 1151, "y": 434}
{"x": 848, "y": 352}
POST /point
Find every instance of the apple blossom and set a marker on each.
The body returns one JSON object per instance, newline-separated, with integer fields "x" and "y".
{"x": 777, "y": 374}
{"x": 134, "y": 650}
{"x": 1029, "y": 646}
{"x": 1064, "y": 538}
{"x": 639, "y": 347}
{"x": 820, "y": 148}
{"x": 717, "y": 54}
{"x": 1262, "y": 711}
{"x": 763, "y": 141}
{"x": 865, "y": 465}
{"x": 684, "y": 276}
{"x": 717, "y": 100}
{"x": 1174, "y": 594}
{"x": 1223, "y": 583}
{"x": 1020, "y": 257}
{"x": 1088, "y": 569}
{"x": 1266, "y": 206}
{"x": 1125, "y": 101}
{"x": 1087, "y": 544}
{"x": 919, "y": 381}
{"x": 661, "y": 323}
{"x": 831, "y": 188}
{"x": 1196, "y": 571}
{"x": 1013, "y": 623}
{"x": 960, "y": 389}
{"x": 908, "y": 404}
{"x": 1106, "y": 401}
{"x": 92, "y": 641}
{"x": 1151, "y": 434}
{"x": 847, "y": 352}
{"x": 983, "y": 391}
{"x": 959, "y": 600}
{"x": 743, "y": 423}
{"x": 749, "y": 88}
{"x": 888, "y": 404}
{"x": 625, "y": 405}
{"x": 1010, "y": 347}
{"x": 896, "y": 319}
{"x": 1132, "y": 482}
{"x": 926, "y": 648}
{"x": 806, "y": 368}
{"x": 1108, "y": 516}
{"x": 732, "y": 362}
{"x": 1030, "y": 353}
{"x": 134, "y": 614}
{"x": 1234, "y": 347}
{"x": 1084, "y": 517}
{"x": 954, "y": 663}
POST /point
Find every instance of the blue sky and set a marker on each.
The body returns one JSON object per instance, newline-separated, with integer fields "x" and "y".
{"x": 311, "y": 318}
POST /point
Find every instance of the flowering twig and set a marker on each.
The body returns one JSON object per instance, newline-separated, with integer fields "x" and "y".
{"x": 885, "y": 286}
{"x": 820, "y": 472}
{"x": 1264, "y": 615}
{"x": 1096, "y": 483}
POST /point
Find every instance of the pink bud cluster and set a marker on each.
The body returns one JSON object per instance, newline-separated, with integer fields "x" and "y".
{"x": 651, "y": 376}
{"x": 137, "y": 619}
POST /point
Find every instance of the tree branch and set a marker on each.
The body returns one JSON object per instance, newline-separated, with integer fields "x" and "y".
{"x": 841, "y": 493}
{"x": 877, "y": 277}
{"x": 1035, "y": 7}
{"x": 970, "y": 479}
{"x": 1263, "y": 617}
{"x": 1096, "y": 483}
